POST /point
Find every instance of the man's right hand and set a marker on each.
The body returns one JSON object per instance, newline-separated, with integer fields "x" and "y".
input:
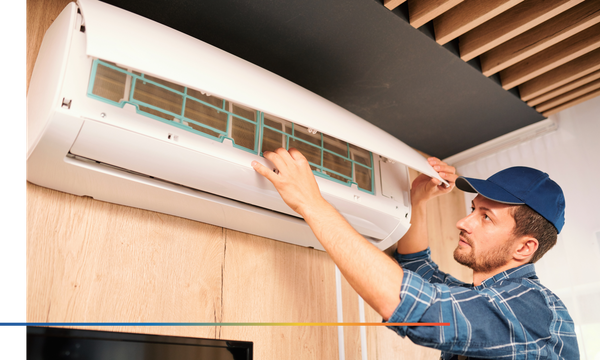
{"x": 424, "y": 188}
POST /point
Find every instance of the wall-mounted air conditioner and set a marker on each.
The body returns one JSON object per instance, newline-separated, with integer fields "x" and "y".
{"x": 128, "y": 111}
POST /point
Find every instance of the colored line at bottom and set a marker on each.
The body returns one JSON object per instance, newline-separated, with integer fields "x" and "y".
{"x": 212, "y": 324}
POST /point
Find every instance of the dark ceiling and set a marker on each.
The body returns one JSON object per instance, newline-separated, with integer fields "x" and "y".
{"x": 363, "y": 57}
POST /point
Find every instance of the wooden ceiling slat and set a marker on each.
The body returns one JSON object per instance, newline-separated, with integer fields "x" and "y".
{"x": 509, "y": 24}
{"x": 541, "y": 37}
{"x": 559, "y": 54}
{"x": 574, "y": 102}
{"x": 392, "y": 4}
{"x": 573, "y": 94}
{"x": 565, "y": 88}
{"x": 466, "y": 16}
{"x": 423, "y": 11}
{"x": 563, "y": 74}
{"x": 550, "y": 49}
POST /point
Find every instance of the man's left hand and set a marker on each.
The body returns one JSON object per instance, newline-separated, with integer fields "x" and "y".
{"x": 293, "y": 179}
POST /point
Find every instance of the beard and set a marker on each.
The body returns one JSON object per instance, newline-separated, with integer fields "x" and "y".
{"x": 486, "y": 262}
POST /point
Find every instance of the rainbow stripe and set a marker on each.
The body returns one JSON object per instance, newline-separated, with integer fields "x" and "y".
{"x": 213, "y": 324}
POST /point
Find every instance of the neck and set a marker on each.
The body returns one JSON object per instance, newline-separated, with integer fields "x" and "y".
{"x": 480, "y": 276}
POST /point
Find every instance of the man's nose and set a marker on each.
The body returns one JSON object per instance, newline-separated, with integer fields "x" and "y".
{"x": 465, "y": 224}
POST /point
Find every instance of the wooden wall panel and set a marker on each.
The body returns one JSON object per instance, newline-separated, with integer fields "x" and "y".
{"x": 271, "y": 281}
{"x": 350, "y": 305}
{"x": 91, "y": 261}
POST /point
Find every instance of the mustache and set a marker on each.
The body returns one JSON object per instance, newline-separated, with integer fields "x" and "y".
{"x": 465, "y": 238}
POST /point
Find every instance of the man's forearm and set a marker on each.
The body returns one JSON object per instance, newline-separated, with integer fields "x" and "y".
{"x": 375, "y": 276}
{"x": 416, "y": 238}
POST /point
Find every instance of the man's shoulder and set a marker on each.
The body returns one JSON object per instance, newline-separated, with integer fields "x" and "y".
{"x": 515, "y": 286}
{"x": 529, "y": 299}
{"x": 518, "y": 286}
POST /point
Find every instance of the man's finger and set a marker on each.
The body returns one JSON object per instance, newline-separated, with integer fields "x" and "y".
{"x": 450, "y": 177}
{"x": 285, "y": 154}
{"x": 277, "y": 159}
{"x": 264, "y": 171}
{"x": 296, "y": 154}
{"x": 444, "y": 168}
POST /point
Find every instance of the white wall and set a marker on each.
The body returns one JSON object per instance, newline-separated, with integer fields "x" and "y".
{"x": 571, "y": 156}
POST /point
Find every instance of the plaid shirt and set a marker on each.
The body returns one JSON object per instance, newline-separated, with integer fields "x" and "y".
{"x": 509, "y": 316}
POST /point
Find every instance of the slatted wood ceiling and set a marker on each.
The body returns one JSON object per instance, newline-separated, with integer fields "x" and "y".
{"x": 549, "y": 49}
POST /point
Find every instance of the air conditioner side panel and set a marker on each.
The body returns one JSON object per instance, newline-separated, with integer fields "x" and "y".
{"x": 48, "y": 73}
{"x": 45, "y": 165}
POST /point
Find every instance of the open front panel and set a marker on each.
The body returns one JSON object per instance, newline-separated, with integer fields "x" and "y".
{"x": 218, "y": 119}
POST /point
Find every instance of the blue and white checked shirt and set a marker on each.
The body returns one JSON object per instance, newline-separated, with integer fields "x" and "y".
{"x": 509, "y": 316}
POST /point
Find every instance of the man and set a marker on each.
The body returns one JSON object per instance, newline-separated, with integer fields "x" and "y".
{"x": 505, "y": 314}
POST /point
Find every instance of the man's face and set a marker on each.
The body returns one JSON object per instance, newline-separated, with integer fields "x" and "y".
{"x": 485, "y": 236}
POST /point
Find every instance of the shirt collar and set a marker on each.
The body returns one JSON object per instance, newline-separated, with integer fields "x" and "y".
{"x": 520, "y": 272}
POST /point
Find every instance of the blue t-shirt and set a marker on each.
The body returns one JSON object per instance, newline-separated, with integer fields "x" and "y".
{"x": 509, "y": 316}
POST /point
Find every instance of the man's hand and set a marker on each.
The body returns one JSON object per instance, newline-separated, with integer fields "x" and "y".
{"x": 425, "y": 188}
{"x": 293, "y": 179}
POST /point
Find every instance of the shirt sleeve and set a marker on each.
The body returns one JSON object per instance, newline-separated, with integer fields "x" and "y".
{"x": 421, "y": 264}
{"x": 480, "y": 321}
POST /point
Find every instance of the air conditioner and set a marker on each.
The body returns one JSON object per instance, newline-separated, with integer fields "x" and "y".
{"x": 128, "y": 111}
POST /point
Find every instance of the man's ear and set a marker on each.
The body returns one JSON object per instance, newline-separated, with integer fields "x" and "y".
{"x": 526, "y": 247}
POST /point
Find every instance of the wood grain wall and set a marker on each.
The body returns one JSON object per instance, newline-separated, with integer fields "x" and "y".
{"x": 91, "y": 261}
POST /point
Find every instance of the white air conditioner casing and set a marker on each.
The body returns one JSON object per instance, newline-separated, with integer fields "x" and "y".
{"x": 87, "y": 147}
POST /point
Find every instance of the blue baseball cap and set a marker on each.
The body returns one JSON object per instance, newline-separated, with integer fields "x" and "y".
{"x": 521, "y": 185}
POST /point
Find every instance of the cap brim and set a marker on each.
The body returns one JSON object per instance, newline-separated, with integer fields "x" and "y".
{"x": 488, "y": 190}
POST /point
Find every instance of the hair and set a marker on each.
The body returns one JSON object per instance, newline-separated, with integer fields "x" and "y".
{"x": 529, "y": 223}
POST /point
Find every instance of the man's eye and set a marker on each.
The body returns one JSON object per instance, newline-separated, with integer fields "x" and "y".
{"x": 486, "y": 217}
{"x": 472, "y": 208}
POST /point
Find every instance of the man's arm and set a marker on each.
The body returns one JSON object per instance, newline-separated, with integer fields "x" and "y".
{"x": 423, "y": 189}
{"x": 376, "y": 277}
